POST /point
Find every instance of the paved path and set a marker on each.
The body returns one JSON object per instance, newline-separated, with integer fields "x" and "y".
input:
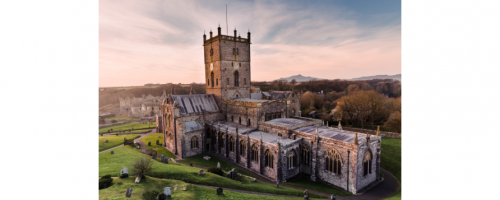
{"x": 143, "y": 146}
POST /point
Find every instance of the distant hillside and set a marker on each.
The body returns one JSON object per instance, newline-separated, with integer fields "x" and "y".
{"x": 299, "y": 78}
{"x": 396, "y": 77}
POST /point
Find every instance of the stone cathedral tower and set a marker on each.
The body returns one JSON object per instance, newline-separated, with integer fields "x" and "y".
{"x": 227, "y": 65}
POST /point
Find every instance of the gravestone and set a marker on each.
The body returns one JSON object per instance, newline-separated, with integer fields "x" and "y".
{"x": 106, "y": 141}
{"x": 184, "y": 187}
{"x": 125, "y": 139}
{"x": 159, "y": 136}
{"x": 162, "y": 158}
{"x": 191, "y": 164}
{"x": 165, "y": 160}
{"x": 157, "y": 142}
{"x": 137, "y": 147}
{"x": 154, "y": 155}
{"x": 201, "y": 173}
{"x": 124, "y": 171}
{"x": 234, "y": 173}
{"x": 206, "y": 157}
{"x": 229, "y": 175}
{"x": 167, "y": 191}
{"x": 129, "y": 192}
{"x": 143, "y": 150}
{"x": 149, "y": 143}
{"x": 176, "y": 186}
{"x": 278, "y": 185}
{"x": 306, "y": 194}
{"x": 112, "y": 152}
{"x": 333, "y": 196}
{"x": 138, "y": 179}
{"x": 218, "y": 164}
{"x": 220, "y": 191}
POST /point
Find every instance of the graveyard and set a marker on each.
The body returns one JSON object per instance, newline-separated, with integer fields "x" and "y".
{"x": 157, "y": 147}
{"x": 113, "y": 141}
{"x": 132, "y": 126}
{"x": 124, "y": 157}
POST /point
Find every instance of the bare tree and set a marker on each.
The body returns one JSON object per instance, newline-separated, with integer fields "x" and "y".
{"x": 142, "y": 167}
{"x": 293, "y": 82}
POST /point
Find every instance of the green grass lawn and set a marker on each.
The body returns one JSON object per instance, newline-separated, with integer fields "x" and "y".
{"x": 123, "y": 127}
{"x": 114, "y": 141}
{"x": 119, "y": 188}
{"x": 159, "y": 149}
{"x": 305, "y": 182}
{"x": 125, "y": 156}
{"x": 121, "y": 118}
{"x": 213, "y": 163}
{"x": 391, "y": 160}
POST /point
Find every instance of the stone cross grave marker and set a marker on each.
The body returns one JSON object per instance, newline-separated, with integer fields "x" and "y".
{"x": 167, "y": 191}
{"x": 218, "y": 164}
{"x": 124, "y": 171}
{"x": 220, "y": 191}
{"x": 129, "y": 192}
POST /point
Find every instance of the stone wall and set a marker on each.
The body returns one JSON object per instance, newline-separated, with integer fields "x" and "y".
{"x": 372, "y": 132}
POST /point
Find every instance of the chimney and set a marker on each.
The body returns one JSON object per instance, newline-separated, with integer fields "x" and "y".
{"x": 218, "y": 30}
{"x": 235, "y": 33}
{"x": 210, "y": 33}
{"x": 248, "y": 36}
{"x": 204, "y": 37}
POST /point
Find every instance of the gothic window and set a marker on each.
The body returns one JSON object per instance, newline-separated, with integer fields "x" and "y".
{"x": 269, "y": 159}
{"x": 221, "y": 144}
{"x": 231, "y": 118}
{"x": 248, "y": 123}
{"x": 255, "y": 153}
{"x": 306, "y": 154}
{"x": 217, "y": 82}
{"x": 293, "y": 112}
{"x": 170, "y": 136}
{"x": 278, "y": 115}
{"x": 212, "y": 79}
{"x": 243, "y": 147}
{"x": 333, "y": 161}
{"x": 231, "y": 144}
{"x": 292, "y": 159}
{"x": 367, "y": 163}
{"x": 239, "y": 120}
{"x": 236, "y": 79}
{"x": 237, "y": 51}
{"x": 234, "y": 52}
{"x": 244, "y": 81}
{"x": 273, "y": 116}
{"x": 194, "y": 142}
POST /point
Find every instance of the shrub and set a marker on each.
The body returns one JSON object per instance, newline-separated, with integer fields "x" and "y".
{"x": 216, "y": 170}
{"x": 161, "y": 196}
{"x": 124, "y": 176}
{"x": 105, "y": 181}
{"x": 119, "y": 183}
{"x": 150, "y": 194}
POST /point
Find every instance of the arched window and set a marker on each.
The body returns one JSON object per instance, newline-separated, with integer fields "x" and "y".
{"x": 269, "y": 159}
{"x": 243, "y": 148}
{"x": 221, "y": 143}
{"x": 168, "y": 121}
{"x": 239, "y": 121}
{"x": 216, "y": 82}
{"x": 292, "y": 159}
{"x": 293, "y": 112}
{"x": 237, "y": 51}
{"x": 248, "y": 123}
{"x": 231, "y": 144}
{"x": 255, "y": 153}
{"x": 232, "y": 118}
{"x": 306, "y": 155}
{"x": 244, "y": 81}
{"x": 211, "y": 52}
{"x": 170, "y": 136}
{"x": 333, "y": 161}
{"x": 194, "y": 142}
{"x": 367, "y": 163}
{"x": 212, "y": 79}
{"x": 236, "y": 79}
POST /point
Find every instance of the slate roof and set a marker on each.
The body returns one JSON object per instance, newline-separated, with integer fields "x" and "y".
{"x": 270, "y": 138}
{"x": 231, "y": 127}
{"x": 195, "y": 102}
{"x": 281, "y": 94}
{"x": 192, "y": 126}
{"x": 332, "y": 133}
{"x": 256, "y": 96}
{"x": 286, "y": 122}
{"x": 266, "y": 94}
{"x": 250, "y": 100}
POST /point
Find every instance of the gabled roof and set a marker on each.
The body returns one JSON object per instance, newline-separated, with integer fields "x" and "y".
{"x": 196, "y": 103}
{"x": 281, "y": 94}
{"x": 192, "y": 126}
{"x": 266, "y": 94}
{"x": 332, "y": 133}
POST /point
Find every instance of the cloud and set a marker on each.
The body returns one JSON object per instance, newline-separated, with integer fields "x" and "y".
{"x": 158, "y": 41}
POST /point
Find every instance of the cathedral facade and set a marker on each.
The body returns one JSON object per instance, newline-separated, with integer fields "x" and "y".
{"x": 266, "y": 136}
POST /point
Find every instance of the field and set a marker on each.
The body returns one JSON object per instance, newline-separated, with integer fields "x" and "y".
{"x": 123, "y": 127}
{"x": 159, "y": 149}
{"x": 121, "y": 118}
{"x": 391, "y": 160}
{"x": 119, "y": 188}
{"x": 198, "y": 160}
{"x": 113, "y": 141}
{"x": 126, "y": 155}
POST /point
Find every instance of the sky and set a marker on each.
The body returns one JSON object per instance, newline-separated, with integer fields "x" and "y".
{"x": 159, "y": 41}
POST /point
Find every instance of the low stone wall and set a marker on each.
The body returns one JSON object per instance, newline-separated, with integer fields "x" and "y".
{"x": 372, "y": 132}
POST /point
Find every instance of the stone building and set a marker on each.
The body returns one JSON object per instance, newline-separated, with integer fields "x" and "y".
{"x": 145, "y": 106}
{"x": 265, "y": 136}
